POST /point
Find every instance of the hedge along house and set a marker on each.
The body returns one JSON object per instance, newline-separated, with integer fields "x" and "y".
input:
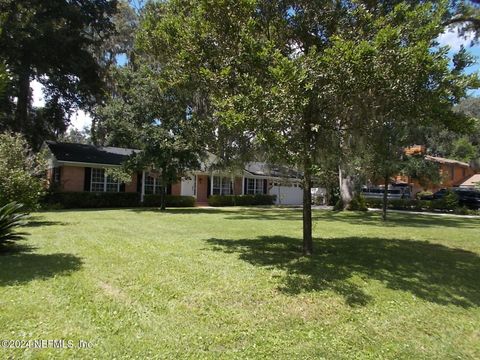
{"x": 81, "y": 168}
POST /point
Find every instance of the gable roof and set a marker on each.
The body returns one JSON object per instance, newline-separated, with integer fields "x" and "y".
{"x": 445, "y": 161}
{"x": 89, "y": 154}
{"x": 264, "y": 169}
{"x": 472, "y": 181}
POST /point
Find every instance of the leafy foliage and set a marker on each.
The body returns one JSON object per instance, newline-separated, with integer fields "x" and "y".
{"x": 155, "y": 200}
{"x": 52, "y": 42}
{"x": 424, "y": 171}
{"x": 241, "y": 200}
{"x": 12, "y": 215}
{"x": 358, "y": 203}
{"x": 22, "y": 174}
{"x": 79, "y": 200}
{"x": 304, "y": 79}
{"x": 151, "y": 114}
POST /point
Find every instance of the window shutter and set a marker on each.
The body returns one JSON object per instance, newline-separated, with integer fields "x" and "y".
{"x": 139, "y": 182}
{"x": 245, "y": 188}
{"x": 265, "y": 184}
{"x": 169, "y": 189}
{"x": 122, "y": 187}
{"x": 209, "y": 186}
{"x": 88, "y": 178}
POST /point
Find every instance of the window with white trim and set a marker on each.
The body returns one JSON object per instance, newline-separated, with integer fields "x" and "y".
{"x": 152, "y": 185}
{"x": 100, "y": 182}
{"x": 254, "y": 186}
{"x": 222, "y": 185}
{"x": 111, "y": 185}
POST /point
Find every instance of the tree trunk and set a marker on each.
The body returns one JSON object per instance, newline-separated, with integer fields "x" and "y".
{"x": 23, "y": 102}
{"x": 347, "y": 186}
{"x": 307, "y": 212}
{"x": 162, "y": 198}
{"x": 385, "y": 199}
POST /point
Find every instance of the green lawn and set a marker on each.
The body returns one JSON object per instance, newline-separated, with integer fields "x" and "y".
{"x": 232, "y": 284}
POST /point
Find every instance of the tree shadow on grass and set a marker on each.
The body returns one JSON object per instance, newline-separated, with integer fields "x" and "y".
{"x": 395, "y": 219}
{"x": 18, "y": 265}
{"x": 36, "y": 222}
{"x": 432, "y": 272}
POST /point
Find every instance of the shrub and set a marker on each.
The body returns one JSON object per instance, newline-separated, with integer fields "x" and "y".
{"x": 11, "y": 217}
{"x": 22, "y": 174}
{"x": 78, "y": 200}
{"x": 420, "y": 194}
{"x": 241, "y": 200}
{"x": 401, "y": 204}
{"x": 422, "y": 205}
{"x": 358, "y": 203}
{"x": 445, "y": 204}
{"x": 450, "y": 200}
{"x": 170, "y": 201}
{"x": 338, "y": 205}
{"x": 462, "y": 211}
{"x": 373, "y": 203}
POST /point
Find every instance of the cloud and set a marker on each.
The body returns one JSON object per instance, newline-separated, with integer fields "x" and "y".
{"x": 451, "y": 38}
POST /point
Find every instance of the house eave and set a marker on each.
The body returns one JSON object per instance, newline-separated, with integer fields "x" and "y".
{"x": 85, "y": 164}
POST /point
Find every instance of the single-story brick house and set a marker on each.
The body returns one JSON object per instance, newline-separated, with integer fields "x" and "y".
{"x": 81, "y": 168}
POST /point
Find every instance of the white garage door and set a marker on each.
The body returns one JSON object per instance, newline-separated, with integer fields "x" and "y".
{"x": 287, "y": 195}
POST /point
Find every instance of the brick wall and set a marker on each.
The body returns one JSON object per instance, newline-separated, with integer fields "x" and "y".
{"x": 72, "y": 178}
{"x": 237, "y": 186}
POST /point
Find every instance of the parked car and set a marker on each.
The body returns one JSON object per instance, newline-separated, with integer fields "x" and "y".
{"x": 466, "y": 197}
{"x": 393, "y": 193}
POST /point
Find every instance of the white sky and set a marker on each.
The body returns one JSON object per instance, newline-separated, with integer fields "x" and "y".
{"x": 79, "y": 119}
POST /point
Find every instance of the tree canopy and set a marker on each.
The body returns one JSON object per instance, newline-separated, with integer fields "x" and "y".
{"x": 299, "y": 78}
{"x": 52, "y": 42}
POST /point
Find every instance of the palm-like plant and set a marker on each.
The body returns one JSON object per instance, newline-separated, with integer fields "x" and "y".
{"x": 11, "y": 217}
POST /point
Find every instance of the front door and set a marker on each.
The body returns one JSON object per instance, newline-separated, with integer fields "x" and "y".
{"x": 202, "y": 188}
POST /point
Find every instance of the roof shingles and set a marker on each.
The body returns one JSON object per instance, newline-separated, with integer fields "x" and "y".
{"x": 89, "y": 154}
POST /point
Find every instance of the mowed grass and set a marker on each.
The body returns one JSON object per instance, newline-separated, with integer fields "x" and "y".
{"x": 231, "y": 283}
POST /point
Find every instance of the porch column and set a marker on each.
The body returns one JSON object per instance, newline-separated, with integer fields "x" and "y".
{"x": 211, "y": 184}
{"x": 142, "y": 195}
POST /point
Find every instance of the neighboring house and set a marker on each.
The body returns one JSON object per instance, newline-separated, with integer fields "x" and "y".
{"x": 472, "y": 182}
{"x": 79, "y": 167}
{"x": 453, "y": 172}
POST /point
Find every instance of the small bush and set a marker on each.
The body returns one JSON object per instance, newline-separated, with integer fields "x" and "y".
{"x": 22, "y": 173}
{"x": 462, "y": 211}
{"x": 373, "y": 203}
{"x": 358, "y": 203}
{"x": 81, "y": 200}
{"x": 446, "y": 204}
{"x": 241, "y": 200}
{"x": 450, "y": 200}
{"x": 170, "y": 201}
{"x": 338, "y": 205}
{"x": 11, "y": 217}
{"x": 421, "y": 194}
{"x": 420, "y": 205}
